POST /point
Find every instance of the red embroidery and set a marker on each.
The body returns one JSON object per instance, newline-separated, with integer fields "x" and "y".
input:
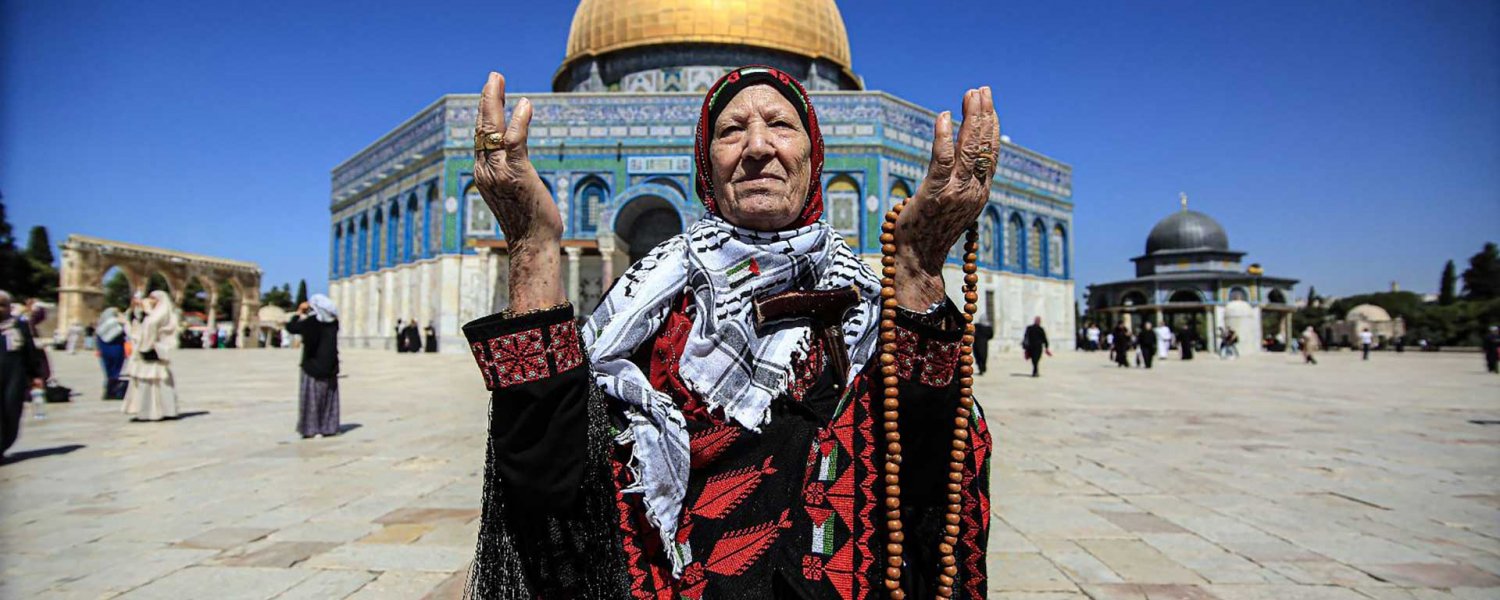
{"x": 567, "y": 351}
{"x": 812, "y": 568}
{"x": 976, "y": 522}
{"x": 742, "y": 548}
{"x": 938, "y": 363}
{"x": 519, "y": 358}
{"x": 814, "y": 494}
{"x": 722, "y": 493}
{"x": 708, "y": 444}
{"x": 806, "y": 372}
{"x": 931, "y": 361}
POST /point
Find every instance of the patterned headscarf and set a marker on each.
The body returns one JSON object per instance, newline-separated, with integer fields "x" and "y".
{"x": 323, "y": 308}
{"x": 719, "y": 96}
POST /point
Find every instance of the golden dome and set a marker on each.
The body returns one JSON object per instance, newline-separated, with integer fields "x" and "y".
{"x": 811, "y": 28}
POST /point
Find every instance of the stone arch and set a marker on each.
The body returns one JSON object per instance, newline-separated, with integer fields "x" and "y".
{"x": 1276, "y": 297}
{"x": 1239, "y": 293}
{"x": 1134, "y": 298}
{"x": 990, "y": 237}
{"x": 1057, "y": 249}
{"x": 841, "y": 199}
{"x": 412, "y": 230}
{"x": 1015, "y": 241}
{"x": 1036, "y": 250}
{"x": 1185, "y": 296}
{"x": 591, "y": 195}
{"x": 86, "y": 261}
{"x": 645, "y": 221}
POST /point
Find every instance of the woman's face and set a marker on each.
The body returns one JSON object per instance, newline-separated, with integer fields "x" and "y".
{"x": 761, "y": 158}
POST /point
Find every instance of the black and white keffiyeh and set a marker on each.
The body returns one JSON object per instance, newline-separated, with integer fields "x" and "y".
{"x": 731, "y": 366}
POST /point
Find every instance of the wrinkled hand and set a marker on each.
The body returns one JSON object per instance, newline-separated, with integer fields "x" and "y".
{"x": 948, "y": 200}
{"x": 519, "y": 200}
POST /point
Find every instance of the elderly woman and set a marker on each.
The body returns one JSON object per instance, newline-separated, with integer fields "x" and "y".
{"x": 318, "y": 402}
{"x": 712, "y": 432}
{"x": 153, "y": 341}
{"x": 22, "y": 369}
{"x": 109, "y": 334}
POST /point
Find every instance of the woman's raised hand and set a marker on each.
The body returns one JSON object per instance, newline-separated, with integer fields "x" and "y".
{"x": 949, "y": 199}
{"x": 518, "y": 199}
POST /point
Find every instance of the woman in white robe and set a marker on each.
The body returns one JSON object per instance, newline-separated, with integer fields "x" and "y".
{"x": 154, "y": 341}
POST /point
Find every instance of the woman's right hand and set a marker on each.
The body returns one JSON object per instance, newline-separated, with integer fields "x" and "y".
{"x": 519, "y": 200}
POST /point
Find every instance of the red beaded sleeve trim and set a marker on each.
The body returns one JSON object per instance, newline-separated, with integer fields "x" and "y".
{"x": 528, "y": 355}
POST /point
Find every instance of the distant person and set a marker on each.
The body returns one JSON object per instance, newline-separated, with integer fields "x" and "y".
{"x": 75, "y": 338}
{"x": 1400, "y": 344}
{"x": 1231, "y": 346}
{"x": 1122, "y": 344}
{"x": 1365, "y": 340}
{"x": 154, "y": 340}
{"x": 1163, "y": 340}
{"x": 21, "y": 371}
{"x": 109, "y": 336}
{"x": 400, "y": 328}
{"x": 983, "y": 332}
{"x": 318, "y": 395}
{"x": 1492, "y": 349}
{"x": 1034, "y": 342}
{"x": 411, "y": 337}
{"x": 1093, "y": 337}
{"x": 1188, "y": 341}
{"x": 1148, "y": 343}
{"x": 1310, "y": 345}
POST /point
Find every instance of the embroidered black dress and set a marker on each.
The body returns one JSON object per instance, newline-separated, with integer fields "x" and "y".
{"x": 793, "y": 511}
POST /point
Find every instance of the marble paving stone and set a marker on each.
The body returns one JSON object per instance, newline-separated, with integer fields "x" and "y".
{"x": 1437, "y": 575}
{"x": 274, "y": 554}
{"x": 224, "y": 538}
{"x": 400, "y": 585}
{"x": 1136, "y": 561}
{"x": 324, "y": 531}
{"x": 1283, "y": 592}
{"x": 222, "y": 583}
{"x": 1140, "y": 522}
{"x": 399, "y": 533}
{"x": 1028, "y": 572}
{"x": 385, "y": 557}
{"x": 326, "y": 584}
{"x": 451, "y": 588}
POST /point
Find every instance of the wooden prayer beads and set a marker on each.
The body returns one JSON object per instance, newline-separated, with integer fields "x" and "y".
{"x": 895, "y": 536}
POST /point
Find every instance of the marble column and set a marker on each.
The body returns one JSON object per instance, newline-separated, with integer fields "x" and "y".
{"x": 606, "y": 262}
{"x": 574, "y": 254}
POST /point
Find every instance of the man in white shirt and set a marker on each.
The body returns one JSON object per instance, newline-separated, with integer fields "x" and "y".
{"x": 1365, "y": 339}
{"x": 1163, "y": 340}
{"x": 1093, "y": 336}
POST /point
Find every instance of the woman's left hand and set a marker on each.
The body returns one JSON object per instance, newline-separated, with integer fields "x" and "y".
{"x": 948, "y": 201}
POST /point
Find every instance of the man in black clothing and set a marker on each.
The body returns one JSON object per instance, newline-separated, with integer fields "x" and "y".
{"x": 1122, "y": 346}
{"x": 1034, "y": 342}
{"x": 1147, "y": 343}
{"x": 1492, "y": 349}
{"x": 983, "y": 331}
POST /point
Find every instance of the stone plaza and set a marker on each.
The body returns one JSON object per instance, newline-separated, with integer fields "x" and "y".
{"x": 1255, "y": 479}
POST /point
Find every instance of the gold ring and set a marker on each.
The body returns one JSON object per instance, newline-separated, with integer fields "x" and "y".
{"x": 984, "y": 164}
{"x": 487, "y": 141}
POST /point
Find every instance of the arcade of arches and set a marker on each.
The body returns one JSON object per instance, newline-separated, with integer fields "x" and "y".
{"x": 86, "y": 260}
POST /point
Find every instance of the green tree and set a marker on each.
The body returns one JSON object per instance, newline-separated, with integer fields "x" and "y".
{"x": 157, "y": 281}
{"x": 278, "y": 296}
{"x": 1312, "y": 295}
{"x": 16, "y": 273}
{"x": 117, "y": 291}
{"x": 43, "y": 272}
{"x": 1482, "y": 278}
{"x": 1447, "y": 285}
{"x": 195, "y": 298}
{"x": 227, "y": 301}
{"x": 301, "y": 292}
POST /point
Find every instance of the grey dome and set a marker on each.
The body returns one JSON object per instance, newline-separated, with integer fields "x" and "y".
{"x": 1187, "y": 230}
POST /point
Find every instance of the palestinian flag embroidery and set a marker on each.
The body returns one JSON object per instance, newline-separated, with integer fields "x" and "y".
{"x": 742, "y": 272}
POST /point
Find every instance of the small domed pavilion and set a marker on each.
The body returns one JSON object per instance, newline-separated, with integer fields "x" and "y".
{"x": 1191, "y": 279}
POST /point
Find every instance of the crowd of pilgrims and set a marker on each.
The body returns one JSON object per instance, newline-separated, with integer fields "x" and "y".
{"x": 136, "y": 347}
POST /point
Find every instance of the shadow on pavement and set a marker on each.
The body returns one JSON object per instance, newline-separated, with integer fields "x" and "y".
{"x": 348, "y": 427}
{"x": 16, "y": 457}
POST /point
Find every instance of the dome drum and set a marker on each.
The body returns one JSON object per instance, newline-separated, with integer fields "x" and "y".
{"x": 691, "y": 67}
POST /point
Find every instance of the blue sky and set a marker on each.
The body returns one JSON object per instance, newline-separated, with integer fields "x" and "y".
{"x": 1344, "y": 143}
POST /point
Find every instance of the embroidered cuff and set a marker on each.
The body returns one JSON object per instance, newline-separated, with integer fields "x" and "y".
{"x": 512, "y": 350}
{"x": 927, "y": 345}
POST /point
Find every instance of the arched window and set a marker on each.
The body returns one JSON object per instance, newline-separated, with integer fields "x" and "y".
{"x": 841, "y": 205}
{"x": 393, "y": 234}
{"x": 481, "y": 222}
{"x": 364, "y": 244}
{"x": 378, "y": 231}
{"x": 336, "y": 268}
{"x": 412, "y": 232}
{"x": 1239, "y": 293}
{"x": 435, "y": 219}
{"x": 1015, "y": 230}
{"x": 989, "y": 232}
{"x": 1034, "y": 248}
{"x": 1057, "y": 248}
{"x": 591, "y": 197}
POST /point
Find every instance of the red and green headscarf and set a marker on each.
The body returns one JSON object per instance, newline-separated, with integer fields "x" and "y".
{"x": 713, "y": 103}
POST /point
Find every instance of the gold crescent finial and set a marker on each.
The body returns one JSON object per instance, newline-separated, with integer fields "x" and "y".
{"x": 1183, "y": 195}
